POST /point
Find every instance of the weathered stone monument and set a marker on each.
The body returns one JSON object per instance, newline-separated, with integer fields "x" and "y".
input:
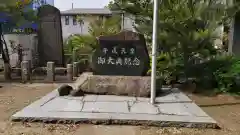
{"x": 50, "y": 42}
{"x": 119, "y": 66}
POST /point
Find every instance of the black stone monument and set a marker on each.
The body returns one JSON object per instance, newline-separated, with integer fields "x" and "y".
{"x": 50, "y": 40}
{"x": 122, "y": 54}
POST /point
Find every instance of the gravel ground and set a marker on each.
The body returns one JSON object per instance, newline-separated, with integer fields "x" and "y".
{"x": 13, "y": 97}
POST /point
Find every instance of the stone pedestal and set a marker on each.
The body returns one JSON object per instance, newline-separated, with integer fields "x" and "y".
{"x": 137, "y": 86}
{"x": 50, "y": 71}
{"x": 70, "y": 72}
{"x": 75, "y": 69}
{"x": 25, "y": 71}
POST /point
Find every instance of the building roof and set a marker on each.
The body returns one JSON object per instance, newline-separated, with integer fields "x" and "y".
{"x": 90, "y": 11}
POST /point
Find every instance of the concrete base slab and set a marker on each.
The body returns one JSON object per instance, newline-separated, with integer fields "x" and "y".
{"x": 105, "y": 107}
{"x": 143, "y": 108}
{"x": 63, "y": 104}
{"x": 172, "y": 109}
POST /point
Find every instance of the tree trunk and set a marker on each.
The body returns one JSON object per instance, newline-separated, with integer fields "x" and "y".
{"x": 20, "y": 58}
{"x": 81, "y": 29}
{"x": 81, "y": 25}
{"x": 5, "y": 56}
{"x": 185, "y": 62}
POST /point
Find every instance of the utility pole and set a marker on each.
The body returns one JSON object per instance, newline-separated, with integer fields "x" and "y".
{"x": 72, "y": 4}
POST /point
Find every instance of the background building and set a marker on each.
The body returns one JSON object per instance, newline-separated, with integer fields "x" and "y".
{"x": 71, "y": 26}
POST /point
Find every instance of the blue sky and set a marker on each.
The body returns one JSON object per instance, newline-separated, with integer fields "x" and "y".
{"x": 67, "y": 4}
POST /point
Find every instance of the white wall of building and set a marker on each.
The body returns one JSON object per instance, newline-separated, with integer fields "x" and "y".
{"x": 28, "y": 43}
{"x": 69, "y": 29}
{"x": 128, "y": 23}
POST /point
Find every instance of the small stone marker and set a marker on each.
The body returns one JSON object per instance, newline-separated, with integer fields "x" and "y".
{"x": 30, "y": 68}
{"x": 122, "y": 54}
{"x": 51, "y": 71}
{"x": 70, "y": 72}
{"x": 75, "y": 69}
{"x": 25, "y": 71}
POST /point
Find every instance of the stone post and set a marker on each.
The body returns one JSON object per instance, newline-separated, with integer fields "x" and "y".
{"x": 25, "y": 71}
{"x": 30, "y": 67}
{"x": 74, "y": 55}
{"x": 70, "y": 72}
{"x": 51, "y": 71}
{"x": 7, "y": 71}
{"x": 75, "y": 69}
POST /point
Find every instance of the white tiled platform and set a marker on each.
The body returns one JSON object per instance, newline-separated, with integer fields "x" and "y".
{"x": 173, "y": 108}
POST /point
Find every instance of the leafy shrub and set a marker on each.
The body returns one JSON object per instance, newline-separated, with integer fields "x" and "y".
{"x": 108, "y": 26}
{"x": 83, "y": 43}
{"x": 220, "y": 73}
{"x": 167, "y": 68}
{"x": 204, "y": 72}
{"x": 79, "y": 48}
{"x": 227, "y": 76}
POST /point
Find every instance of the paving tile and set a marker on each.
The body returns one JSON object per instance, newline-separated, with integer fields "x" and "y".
{"x": 173, "y": 109}
{"x": 90, "y": 98}
{"x": 63, "y": 104}
{"x": 194, "y": 109}
{"x": 113, "y": 98}
{"x": 168, "y": 96}
{"x": 105, "y": 107}
{"x": 143, "y": 99}
{"x": 173, "y": 97}
{"x": 181, "y": 97}
{"x": 73, "y": 98}
{"x": 189, "y": 109}
{"x": 50, "y": 96}
{"x": 143, "y": 108}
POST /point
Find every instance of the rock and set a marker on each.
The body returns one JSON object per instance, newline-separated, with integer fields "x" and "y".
{"x": 77, "y": 93}
{"x": 82, "y": 79}
{"x": 118, "y": 85}
{"x": 65, "y": 90}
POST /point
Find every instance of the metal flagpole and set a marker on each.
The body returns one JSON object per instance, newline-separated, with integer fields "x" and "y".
{"x": 154, "y": 50}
